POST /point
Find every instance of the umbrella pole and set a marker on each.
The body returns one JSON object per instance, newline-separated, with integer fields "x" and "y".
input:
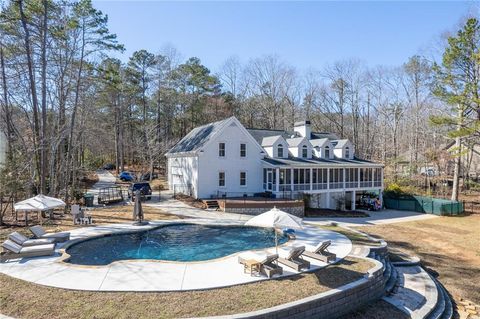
{"x": 276, "y": 241}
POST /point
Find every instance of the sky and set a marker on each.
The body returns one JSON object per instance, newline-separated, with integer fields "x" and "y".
{"x": 305, "y": 34}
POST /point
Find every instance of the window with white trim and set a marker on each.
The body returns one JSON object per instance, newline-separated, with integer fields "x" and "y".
{"x": 304, "y": 151}
{"x": 280, "y": 150}
{"x": 221, "y": 179}
{"x": 243, "y": 150}
{"x": 243, "y": 178}
{"x": 347, "y": 152}
{"x": 221, "y": 149}
{"x": 327, "y": 152}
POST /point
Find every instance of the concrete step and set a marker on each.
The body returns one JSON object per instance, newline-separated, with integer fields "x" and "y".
{"x": 448, "y": 313}
{"x": 392, "y": 281}
{"x": 416, "y": 293}
{"x": 439, "y": 309}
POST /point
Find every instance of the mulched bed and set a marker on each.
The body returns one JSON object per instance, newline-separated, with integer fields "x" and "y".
{"x": 321, "y": 212}
{"x": 190, "y": 201}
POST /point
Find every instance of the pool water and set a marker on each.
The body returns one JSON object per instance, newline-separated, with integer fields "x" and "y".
{"x": 177, "y": 242}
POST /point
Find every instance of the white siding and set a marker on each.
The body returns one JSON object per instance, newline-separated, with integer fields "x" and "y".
{"x": 210, "y": 164}
{"x": 183, "y": 173}
{"x": 296, "y": 151}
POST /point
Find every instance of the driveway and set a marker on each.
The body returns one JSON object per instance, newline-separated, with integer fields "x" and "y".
{"x": 386, "y": 216}
{"x": 105, "y": 179}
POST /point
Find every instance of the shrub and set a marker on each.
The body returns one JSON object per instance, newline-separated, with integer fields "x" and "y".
{"x": 395, "y": 190}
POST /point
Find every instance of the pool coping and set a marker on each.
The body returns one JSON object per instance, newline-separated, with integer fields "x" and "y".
{"x": 157, "y": 275}
{"x": 65, "y": 256}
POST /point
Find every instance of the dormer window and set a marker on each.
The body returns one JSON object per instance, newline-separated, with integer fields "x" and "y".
{"x": 280, "y": 150}
{"x": 347, "y": 152}
{"x": 304, "y": 151}
{"x": 327, "y": 152}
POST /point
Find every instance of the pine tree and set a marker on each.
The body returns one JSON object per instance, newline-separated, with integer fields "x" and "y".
{"x": 457, "y": 83}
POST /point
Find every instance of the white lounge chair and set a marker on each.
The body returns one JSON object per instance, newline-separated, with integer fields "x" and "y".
{"x": 12, "y": 250}
{"x": 39, "y": 232}
{"x": 22, "y": 240}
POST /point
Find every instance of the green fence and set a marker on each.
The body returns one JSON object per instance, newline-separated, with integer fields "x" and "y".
{"x": 423, "y": 204}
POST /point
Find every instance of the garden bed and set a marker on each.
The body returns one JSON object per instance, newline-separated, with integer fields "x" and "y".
{"x": 322, "y": 212}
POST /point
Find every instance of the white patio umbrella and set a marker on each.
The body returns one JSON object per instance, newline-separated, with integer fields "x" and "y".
{"x": 276, "y": 218}
{"x": 39, "y": 203}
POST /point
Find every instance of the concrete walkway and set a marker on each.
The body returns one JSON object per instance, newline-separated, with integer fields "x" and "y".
{"x": 385, "y": 216}
{"x": 145, "y": 275}
{"x": 169, "y": 205}
{"x": 416, "y": 294}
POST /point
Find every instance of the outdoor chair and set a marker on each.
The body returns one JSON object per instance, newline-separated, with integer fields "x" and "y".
{"x": 22, "y": 240}
{"x": 320, "y": 252}
{"x": 79, "y": 216}
{"x": 12, "y": 250}
{"x": 265, "y": 262}
{"x": 293, "y": 258}
{"x": 39, "y": 232}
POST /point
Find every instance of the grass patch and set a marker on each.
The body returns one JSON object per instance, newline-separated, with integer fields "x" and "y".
{"x": 356, "y": 238}
{"x": 22, "y": 299}
{"x": 448, "y": 246}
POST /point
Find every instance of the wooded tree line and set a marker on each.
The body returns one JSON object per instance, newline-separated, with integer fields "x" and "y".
{"x": 69, "y": 105}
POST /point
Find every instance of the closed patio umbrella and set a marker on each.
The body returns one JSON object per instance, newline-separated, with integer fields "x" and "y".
{"x": 138, "y": 210}
{"x": 276, "y": 218}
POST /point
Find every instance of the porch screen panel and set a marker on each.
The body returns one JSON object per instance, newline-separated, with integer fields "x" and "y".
{"x": 351, "y": 177}
{"x": 336, "y": 178}
{"x": 301, "y": 179}
{"x": 285, "y": 180}
{"x": 319, "y": 177}
{"x": 366, "y": 177}
{"x": 377, "y": 177}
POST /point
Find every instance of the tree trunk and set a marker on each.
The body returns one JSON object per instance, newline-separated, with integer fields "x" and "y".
{"x": 8, "y": 119}
{"x": 31, "y": 78}
{"x": 458, "y": 150}
{"x": 43, "y": 147}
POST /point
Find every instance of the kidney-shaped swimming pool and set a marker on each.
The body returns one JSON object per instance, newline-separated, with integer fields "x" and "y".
{"x": 175, "y": 242}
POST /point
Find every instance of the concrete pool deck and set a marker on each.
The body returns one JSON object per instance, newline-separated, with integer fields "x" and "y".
{"x": 138, "y": 275}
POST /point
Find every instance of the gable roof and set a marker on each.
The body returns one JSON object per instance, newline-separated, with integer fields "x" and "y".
{"x": 294, "y": 142}
{"x": 340, "y": 143}
{"x": 259, "y": 134}
{"x": 319, "y": 142}
{"x": 270, "y": 140}
{"x": 197, "y": 137}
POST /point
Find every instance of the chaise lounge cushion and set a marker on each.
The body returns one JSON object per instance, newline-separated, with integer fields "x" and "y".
{"x": 39, "y": 232}
{"x": 17, "y": 249}
{"x": 11, "y": 246}
{"x": 24, "y": 241}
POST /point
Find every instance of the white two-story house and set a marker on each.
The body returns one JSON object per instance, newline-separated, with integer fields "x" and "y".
{"x": 226, "y": 159}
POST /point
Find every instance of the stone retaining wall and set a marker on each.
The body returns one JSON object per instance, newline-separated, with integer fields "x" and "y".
{"x": 298, "y": 210}
{"x": 330, "y": 304}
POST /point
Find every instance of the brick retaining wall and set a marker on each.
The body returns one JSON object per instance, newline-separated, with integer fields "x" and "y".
{"x": 329, "y": 304}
